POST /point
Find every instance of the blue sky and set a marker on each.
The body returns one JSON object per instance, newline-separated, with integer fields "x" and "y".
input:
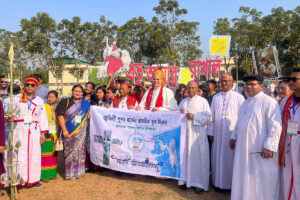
{"x": 119, "y": 11}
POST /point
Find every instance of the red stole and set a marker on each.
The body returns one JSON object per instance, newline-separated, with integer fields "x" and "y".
{"x": 285, "y": 117}
{"x": 130, "y": 101}
{"x": 159, "y": 101}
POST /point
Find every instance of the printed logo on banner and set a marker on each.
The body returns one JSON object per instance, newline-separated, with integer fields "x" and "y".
{"x": 106, "y": 146}
{"x": 136, "y": 142}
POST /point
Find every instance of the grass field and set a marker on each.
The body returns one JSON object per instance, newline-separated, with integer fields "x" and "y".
{"x": 105, "y": 185}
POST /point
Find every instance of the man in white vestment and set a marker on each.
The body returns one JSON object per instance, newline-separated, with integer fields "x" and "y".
{"x": 225, "y": 107}
{"x": 289, "y": 156}
{"x": 198, "y": 115}
{"x": 159, "y": 97}
{"x": 256, "y": 138}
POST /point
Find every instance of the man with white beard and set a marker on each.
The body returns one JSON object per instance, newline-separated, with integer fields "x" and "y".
{"x": 225, "y": 107}
{"x": 257, "y": 135}
{"x": 198, "y": 115}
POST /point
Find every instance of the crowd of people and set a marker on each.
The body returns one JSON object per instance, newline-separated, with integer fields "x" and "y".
{"x": 247, "y": 138}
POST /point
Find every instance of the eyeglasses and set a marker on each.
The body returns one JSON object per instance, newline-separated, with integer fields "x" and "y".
{"x": 251, "y": 84}
{"x": 294, "y": 79}
{"x": 280, "y": 89}
{"x": 4, "y": 81}
{"x": 30, "y": 84}
{"x": 225, "y": 81}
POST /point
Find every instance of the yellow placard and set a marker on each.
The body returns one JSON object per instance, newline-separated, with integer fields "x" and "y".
{"x": 218, "y": 45}
{"x": 185, "y": 76}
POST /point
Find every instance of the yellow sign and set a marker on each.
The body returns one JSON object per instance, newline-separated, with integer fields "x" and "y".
{"x": 185, "y": 76}
{"x": 219, "y": 45}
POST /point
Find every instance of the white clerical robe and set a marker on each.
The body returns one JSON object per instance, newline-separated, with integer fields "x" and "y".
{"x": 225, "y": 107}
{"x": 198, "y": 149}
{"x": 290, "y": 181}
{"x": 27, "y": 158}
{"x": 169, "y": 102}
{"x": 258, "y": 127}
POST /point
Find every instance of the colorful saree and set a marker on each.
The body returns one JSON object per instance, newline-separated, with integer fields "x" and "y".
{"x": 75, "y": 145}
{"x": 49, "y": 157}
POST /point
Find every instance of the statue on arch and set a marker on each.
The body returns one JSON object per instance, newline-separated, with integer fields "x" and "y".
{"x": 116, "y": 61}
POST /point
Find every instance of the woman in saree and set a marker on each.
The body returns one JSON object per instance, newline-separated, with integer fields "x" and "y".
{"x": 49, "y": 157}
{"x": 72, "y": 114}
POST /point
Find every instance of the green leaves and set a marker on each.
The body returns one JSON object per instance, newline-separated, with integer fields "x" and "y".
{"x": 252, "y": 30}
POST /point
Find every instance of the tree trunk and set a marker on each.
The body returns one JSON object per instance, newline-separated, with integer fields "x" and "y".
{"x": 56, "y": 77}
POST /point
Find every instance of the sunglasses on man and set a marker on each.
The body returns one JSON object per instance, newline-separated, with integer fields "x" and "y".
{"x": 294, "y": 79}
{"x": 4, "y": 81}
{"x": 30, "y": 84}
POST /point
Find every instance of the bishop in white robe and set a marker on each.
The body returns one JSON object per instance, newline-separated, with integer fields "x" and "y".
{"x": 225, "y": 107}
{"x": 198, "y": 115}
{"x": 257, "y": 135}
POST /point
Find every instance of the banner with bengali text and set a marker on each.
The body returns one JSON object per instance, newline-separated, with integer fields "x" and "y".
{"x": 139, "y": 142}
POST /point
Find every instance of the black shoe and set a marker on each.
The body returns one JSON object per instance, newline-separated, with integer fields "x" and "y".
{"x": 183, "y": 187}
{"x": 198, "y": 190}
{"x": 217, "y": 189}
{"x": 119, "y": 174}
{"x": 131, "y": 175}
{"x": 38, "y": 185}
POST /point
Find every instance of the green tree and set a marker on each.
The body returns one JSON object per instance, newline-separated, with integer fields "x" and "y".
{"x": 38, "y": 34}
{"x": 179, "y": 36}
{"x": 72, "y": 37}
{"x": 132, "y": 36}
{"x": 83, "y": 42}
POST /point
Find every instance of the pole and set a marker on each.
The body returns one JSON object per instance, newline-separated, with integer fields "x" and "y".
{"x": 237, "y": 72}
{"x": 11, "y": 144}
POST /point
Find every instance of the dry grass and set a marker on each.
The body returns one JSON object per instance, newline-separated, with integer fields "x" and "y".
{"x": 106, "y": 186}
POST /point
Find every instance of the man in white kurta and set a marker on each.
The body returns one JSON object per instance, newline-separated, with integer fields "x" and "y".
{"x": 27, "y": 157}
{"x": 198, "y": 115}
{"x": 225, "y": 107}
{"x": 290, "y": 141}
{"x": 257, "y": 134}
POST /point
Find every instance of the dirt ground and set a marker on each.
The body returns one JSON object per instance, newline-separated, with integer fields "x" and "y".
{"x": 104, "y": 185}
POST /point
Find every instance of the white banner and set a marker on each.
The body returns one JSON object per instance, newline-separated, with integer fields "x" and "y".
{"x": 139, "y": 142}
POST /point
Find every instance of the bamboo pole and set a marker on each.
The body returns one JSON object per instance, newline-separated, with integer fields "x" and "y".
{"x": 11, "y": 144}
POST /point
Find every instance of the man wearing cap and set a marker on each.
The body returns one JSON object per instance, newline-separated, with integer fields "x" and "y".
{"x": 158, "y": 97}
{"x": 198, "y": 115}
{"x": 124, "y": 101}
{"x": 31, "y": 123}
{"x": 225, "y": 107}
{"x": 289, "y": 151}
{"x": 255, "y": 140}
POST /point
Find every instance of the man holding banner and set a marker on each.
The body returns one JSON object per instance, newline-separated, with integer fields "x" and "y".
{"x": 159, "y": 97}
{"x": 198, "y": 115}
